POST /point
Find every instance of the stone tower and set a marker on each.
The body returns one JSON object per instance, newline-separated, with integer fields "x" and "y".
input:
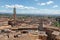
{"x": 14, "y": 13}
{"x": 13, "y": 22}
{"x": 40, "y": 27}
{"x": 14, "y": 16}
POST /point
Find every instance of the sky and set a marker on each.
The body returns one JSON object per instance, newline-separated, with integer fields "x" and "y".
{"x": 30, "y": 6}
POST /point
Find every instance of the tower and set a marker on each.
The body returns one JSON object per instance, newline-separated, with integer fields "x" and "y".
{"x": 14, "y": 16}
{"x": 13, "y": 22}
{"x": 40, "y": 27}
{"x": 14, "y": 13}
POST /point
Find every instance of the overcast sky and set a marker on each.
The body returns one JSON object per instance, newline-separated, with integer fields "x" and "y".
{"x": 31, "y": 6}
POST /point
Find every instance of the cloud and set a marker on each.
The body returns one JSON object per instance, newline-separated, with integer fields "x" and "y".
{"x": 19, "y": 6}
{"x": 55, "y": 6}
{"x": 45, "y": 3}
{"x": 9, "y": 6}
{"x": 41, "y": 4}
{"x": 29, "y": 8}
{"x": 49, "y": 2}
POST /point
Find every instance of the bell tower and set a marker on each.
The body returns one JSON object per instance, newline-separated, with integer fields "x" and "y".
{"x": 14, "y": 13}
{"x": 14, "y": 16}
{"x": 40, "y": 27}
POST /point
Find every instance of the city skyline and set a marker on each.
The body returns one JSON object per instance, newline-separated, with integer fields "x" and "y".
{"x": 31, "y": 6}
